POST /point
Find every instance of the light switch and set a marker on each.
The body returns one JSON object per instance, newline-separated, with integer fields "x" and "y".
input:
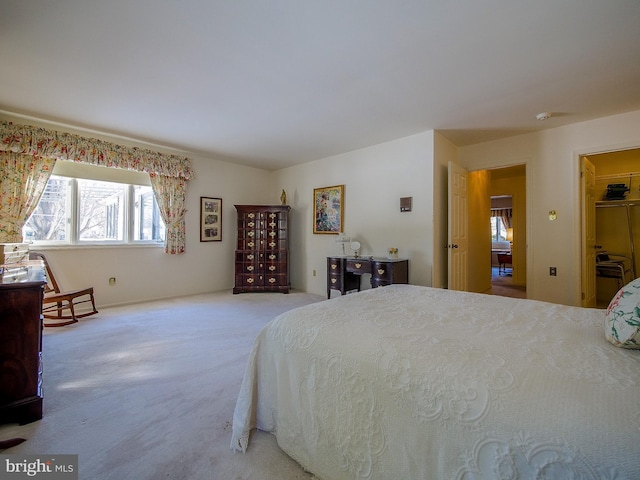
{"x": 405, "y": 204}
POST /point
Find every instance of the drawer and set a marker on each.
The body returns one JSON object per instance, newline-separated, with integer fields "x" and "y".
{"x": 249, "y": 280}
{"x": 335, "y": 282}
{"x": 382, "y": 271}
{"x": 273, "y": 268}
{"x": 275, "y": 280}
{"x": 334, "y": 265}
{"x": 358, "y": 267}
{"x": 275, "y": 243}
{"x": 274, "y": 257}
{"x": 247, "y": 256}
{"x": 248, "y": 244}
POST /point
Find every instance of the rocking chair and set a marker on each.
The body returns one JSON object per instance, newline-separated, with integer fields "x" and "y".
{"x": 61, "y": 306}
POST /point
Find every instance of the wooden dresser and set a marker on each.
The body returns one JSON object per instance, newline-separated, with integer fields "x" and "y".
{"x": 262, "y": 250}
{"x": 21, "y": 290}
{"x": 343, "y": 273}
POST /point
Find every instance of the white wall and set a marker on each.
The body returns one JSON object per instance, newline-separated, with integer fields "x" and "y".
{"x": 375, "y": 178}
{"x": 147, "y": 273}
{"x": 553, "y": 184}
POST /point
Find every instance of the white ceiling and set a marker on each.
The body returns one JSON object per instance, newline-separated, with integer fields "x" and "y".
{"x": 273, "y": 83}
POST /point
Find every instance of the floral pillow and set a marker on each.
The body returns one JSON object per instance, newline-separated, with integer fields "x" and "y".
{"x": 622, "y": 322}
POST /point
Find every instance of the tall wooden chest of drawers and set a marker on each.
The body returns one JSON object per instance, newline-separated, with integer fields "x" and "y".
{"x": 262, "y": 250}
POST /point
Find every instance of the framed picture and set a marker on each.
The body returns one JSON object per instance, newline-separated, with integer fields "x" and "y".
{"x": 210, "y": 219}
{"x": 328, "y": 209}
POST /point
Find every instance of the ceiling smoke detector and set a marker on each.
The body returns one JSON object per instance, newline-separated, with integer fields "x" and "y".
{"x": 544, "y": 115}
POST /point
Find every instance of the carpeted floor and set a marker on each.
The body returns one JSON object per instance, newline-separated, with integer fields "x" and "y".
{"x": 503, "y": 285}
{"x": 148, "y": 391}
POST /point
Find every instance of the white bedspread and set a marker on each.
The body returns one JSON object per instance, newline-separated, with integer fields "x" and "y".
{"x": 406, "y": 382}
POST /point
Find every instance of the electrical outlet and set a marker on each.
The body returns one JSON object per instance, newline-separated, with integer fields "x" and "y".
{"x": 112, "y": 281}
{"x": 553, "y": 272}
{"x": 314, "y": 273}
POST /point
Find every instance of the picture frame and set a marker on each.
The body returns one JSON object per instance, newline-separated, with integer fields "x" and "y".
{"x": 328, "y": 208}
{"x": 210, "y": 219}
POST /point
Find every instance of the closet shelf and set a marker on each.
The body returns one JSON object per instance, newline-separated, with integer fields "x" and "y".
{"x": 618, "y": 203}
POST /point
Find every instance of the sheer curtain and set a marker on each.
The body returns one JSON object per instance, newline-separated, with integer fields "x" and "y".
{"x": 505, "y": 214}
{"x": 166, "y": 171}
{"x": 23, "y": 179}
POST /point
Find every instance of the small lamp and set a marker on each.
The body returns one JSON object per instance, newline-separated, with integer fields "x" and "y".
{"x": 343, "y": 238}
{"x": 510, "y": 237}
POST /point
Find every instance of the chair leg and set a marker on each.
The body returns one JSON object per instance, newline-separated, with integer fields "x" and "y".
{"x": 73, "y": 313}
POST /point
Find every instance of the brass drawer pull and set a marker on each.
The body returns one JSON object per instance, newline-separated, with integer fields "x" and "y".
{"x": 380, "y": 271}
{"x": 250, "y": 268}
{"x": 334, "y": 266}
{"x": 358, "y": 265}
{"x": 250, "y": 280}
{"x": 272, "y": 280}
{"x": 334, "y": 280}
{"x": 272, "y": 267}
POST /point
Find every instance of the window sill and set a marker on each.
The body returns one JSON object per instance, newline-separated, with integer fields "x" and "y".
{"x": 95, "y": 246}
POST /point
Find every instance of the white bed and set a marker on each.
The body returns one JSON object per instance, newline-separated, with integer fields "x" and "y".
{"x": 407, "y": 382}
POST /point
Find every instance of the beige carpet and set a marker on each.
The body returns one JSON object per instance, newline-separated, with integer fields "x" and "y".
{"x": 503, "y": 285}
{"x": 148, "y": 391}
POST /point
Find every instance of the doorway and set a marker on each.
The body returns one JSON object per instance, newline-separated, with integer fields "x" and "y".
{"x": 507, "y": 186}
{"x": 502, "y": 248}
{"x": 507, "y": 190}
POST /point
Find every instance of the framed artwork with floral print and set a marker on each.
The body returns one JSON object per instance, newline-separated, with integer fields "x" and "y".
{"x": 210, "y": 219}
{"x": 328, "y": 209}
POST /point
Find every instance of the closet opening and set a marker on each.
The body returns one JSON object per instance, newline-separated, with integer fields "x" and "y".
{"x": 616, "y": 193}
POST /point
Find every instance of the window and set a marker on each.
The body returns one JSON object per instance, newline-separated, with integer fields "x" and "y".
{"x": 77, "y": 211}
{"x": 147, "y": 222}
{"x": 498, "y": 231}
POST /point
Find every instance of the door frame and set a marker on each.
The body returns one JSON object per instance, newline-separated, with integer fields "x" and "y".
{"x": 529, "y": 253}
{"x": 579, "y": 206}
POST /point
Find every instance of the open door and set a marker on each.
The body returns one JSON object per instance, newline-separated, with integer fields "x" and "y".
{"x": 458, "y": 236}
{"x": 587, "y": 187}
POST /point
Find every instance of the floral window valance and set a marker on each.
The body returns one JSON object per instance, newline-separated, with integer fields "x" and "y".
{"x": 27, "y": 156}
{"x": 29, "y": 140}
